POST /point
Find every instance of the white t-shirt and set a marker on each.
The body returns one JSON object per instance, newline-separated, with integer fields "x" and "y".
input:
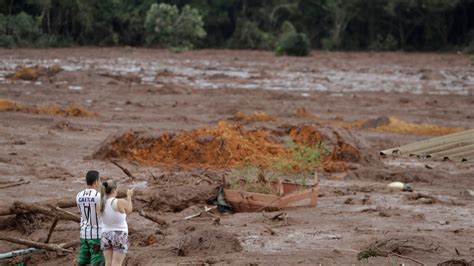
{"x": 87, "y": 201}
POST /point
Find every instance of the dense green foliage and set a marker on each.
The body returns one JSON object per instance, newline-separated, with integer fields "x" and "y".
{"x": 327, "y": 24}
{"x": 291, "y": 42}
{"x": 165, "y": 25}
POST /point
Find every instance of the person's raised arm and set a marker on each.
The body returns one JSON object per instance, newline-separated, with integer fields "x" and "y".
{"x": 125, "y": 205}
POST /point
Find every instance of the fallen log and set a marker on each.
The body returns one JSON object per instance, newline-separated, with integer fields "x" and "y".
{"x": 19, "y": 207}
{"x": 27, "y": 251}
{"x": 34, "y": 244}
{"x": 63, "y": 203}
{"x": 153, "y": 218}
{"x": 72, "y": 216}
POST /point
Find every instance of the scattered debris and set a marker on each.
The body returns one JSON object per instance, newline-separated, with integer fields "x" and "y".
{"x": 33, "y": 73}
{"x": 422, "y": 198}
{"x": 66, "y": 125}
{"x": 289, "y": 195}
{"x": 34, "y": 244}
{"x": 272, "y": 232}
{"x": 282, "y": 216}
{"x": 399, "y": 126}
{"x": 401, "y": 186}
{"x": 206, "y": 210}
{"x": 127, "y": 78}
{"x": 468, "y": 192}
{"x": 374, "y": 252}
{"x": 75, "y": 88}
{"x": 205, "y": 179}
{"x": 74, "y": 110}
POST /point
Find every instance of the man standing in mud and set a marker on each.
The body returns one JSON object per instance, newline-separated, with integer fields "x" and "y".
{"x": 87, "y": 200}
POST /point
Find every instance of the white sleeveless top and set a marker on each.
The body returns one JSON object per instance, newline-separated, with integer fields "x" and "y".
{"x": 113, "y": 220}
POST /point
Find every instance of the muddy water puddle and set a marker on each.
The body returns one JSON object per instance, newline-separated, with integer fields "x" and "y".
{"x": 214, "y": 74}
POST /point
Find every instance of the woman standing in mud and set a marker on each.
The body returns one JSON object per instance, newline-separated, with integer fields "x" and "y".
{"x": 113, "y": 211}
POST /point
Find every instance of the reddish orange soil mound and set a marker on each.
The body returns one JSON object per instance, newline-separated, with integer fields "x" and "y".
{"x": 224, "y": 145}
{"x": 33, "y": 73}
{"x": 345, "y": 152}
{"x": 11, "y": 106}
{"x": 306, "y": 135}
{"x": 255, "y": 117}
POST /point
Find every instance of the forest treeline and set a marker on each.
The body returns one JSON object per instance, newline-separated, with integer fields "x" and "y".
{"x": 422, "y": 25}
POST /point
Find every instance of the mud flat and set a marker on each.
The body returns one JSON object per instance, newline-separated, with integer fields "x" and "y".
{"x": 146, "y": 103}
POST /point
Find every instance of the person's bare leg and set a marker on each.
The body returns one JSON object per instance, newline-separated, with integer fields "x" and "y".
{"x": 108, "y": 255}
{"x": 118, "y": 258}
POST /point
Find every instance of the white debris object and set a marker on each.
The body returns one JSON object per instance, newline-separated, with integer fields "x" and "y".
{"x": 400, "y": 186}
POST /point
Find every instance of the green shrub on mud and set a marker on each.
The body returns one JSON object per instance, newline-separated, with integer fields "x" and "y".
{"x": 298, "y": 165}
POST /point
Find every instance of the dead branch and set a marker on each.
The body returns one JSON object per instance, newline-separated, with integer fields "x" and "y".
{"x": 273, "y": 232}
{"x": 279, "y": 216}
{"x": 153, "y": 218}
{"x": 51, "y": 229}
{"x": 14, "y": 184}
{"x": 34, "y": 244}
{"x": 125, "y": 170}
{"x": 206, "y": 210}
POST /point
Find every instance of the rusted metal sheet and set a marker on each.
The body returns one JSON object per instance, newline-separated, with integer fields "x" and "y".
{"x": 455, "y": 147}
{"x": 290, "y": 195}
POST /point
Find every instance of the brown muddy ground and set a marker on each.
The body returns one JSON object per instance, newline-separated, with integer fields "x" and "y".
{"x": 154, "y": 91}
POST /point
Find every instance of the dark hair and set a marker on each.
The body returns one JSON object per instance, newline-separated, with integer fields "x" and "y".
{"x": 91, "y": 177}
{"x": 107, "y": 188}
